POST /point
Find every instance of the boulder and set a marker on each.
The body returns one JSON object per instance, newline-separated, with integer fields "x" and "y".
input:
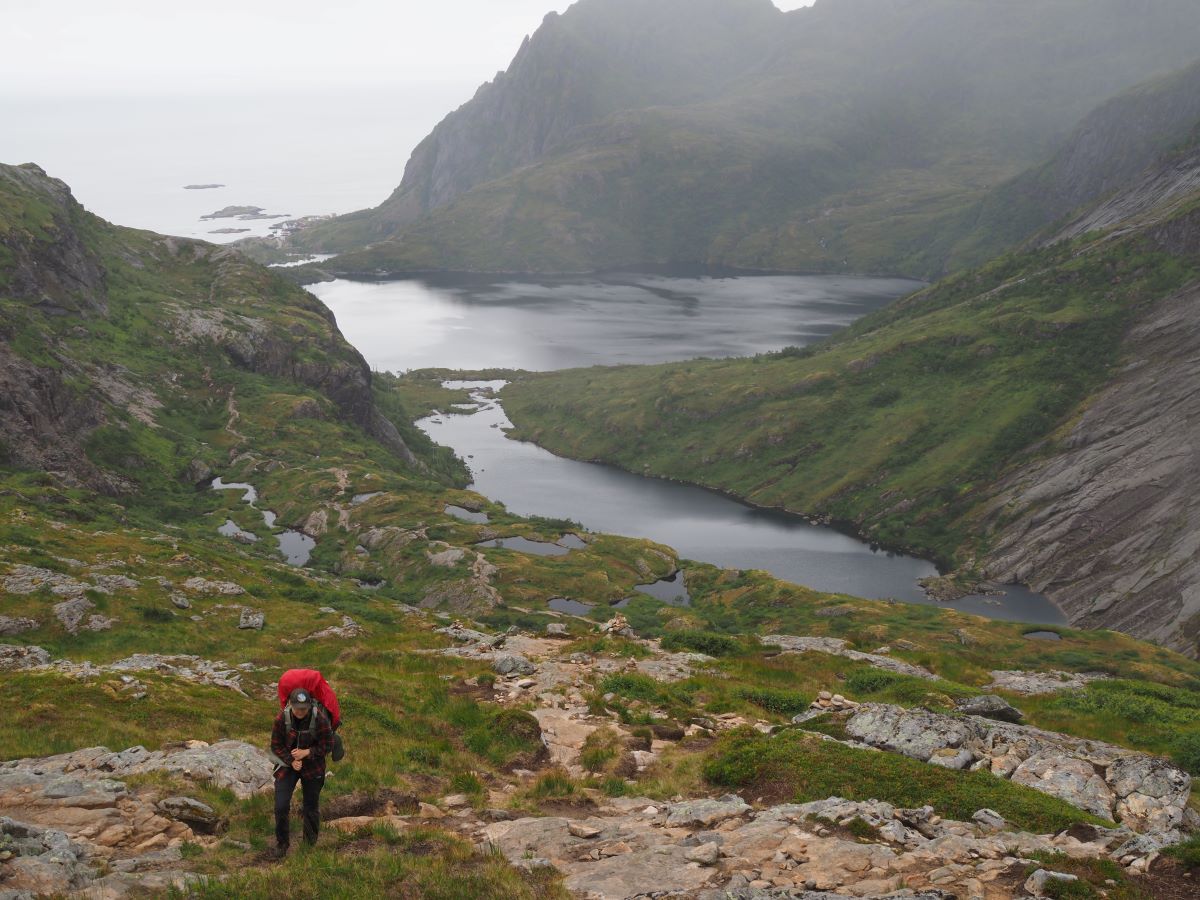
{"x": 707, "y": 812}
{"x": 706, "y": 854}
{"x": 251, "y": 619}
{"x": 71, "y": 613}
{"x": 10, "y": 625}
{"x": 989, "y": 706}
{"x": 1036, "y": 883}
{"x": 513, "y": 664}
{"x": 556, "y": 629}
{"x": 1032, "y": 683}
{"x": 200, "y": 817}
{"x": 917, "y": 733}
{"x": 989, "y": 819}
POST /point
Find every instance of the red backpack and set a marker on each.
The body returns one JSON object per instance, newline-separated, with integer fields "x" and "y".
{"x": 314, "y": 682}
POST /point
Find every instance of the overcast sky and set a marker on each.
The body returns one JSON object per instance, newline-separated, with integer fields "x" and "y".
{"x": 151, "y": 46}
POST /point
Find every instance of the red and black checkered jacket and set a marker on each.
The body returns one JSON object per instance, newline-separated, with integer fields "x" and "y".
{"x": 301, "y": 736}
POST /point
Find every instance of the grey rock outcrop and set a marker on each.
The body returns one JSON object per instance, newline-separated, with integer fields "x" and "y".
{"x": 1144, "y": 793}
{"x": 240, "y": 767}
{"x": 14, "y": 625}
{"x": 722, "y": 849}
{"x": 251, "y": 619}
{"x": 14, "y": 657}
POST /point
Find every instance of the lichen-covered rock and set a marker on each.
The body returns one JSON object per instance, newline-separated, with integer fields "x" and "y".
{"x": 251, "y": 619}
{"x": 222, "y": 588}
{"x": 1073, "y": 780}
{"x": 14, "y": 657}
{"x": 71, "y": 613}
{"x": 1152, "y": 793}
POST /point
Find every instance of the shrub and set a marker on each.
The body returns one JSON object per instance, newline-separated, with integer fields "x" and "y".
{"x": 553, "y": 784}
{"x": 1186, "y": 752}
{"x": 1187, "y": 853}
{"x": 632, "y": 687}
{"x": 708, "y": 642}
{"x": 783, "y": 703}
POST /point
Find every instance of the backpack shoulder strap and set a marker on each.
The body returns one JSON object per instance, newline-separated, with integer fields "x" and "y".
{"x": 287, "y": 720}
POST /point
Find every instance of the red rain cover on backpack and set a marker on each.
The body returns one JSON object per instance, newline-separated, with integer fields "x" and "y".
{"x": 313, "y": 682}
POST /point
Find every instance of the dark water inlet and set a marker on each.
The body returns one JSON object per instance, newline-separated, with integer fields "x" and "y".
{"x": 700, "y": 524}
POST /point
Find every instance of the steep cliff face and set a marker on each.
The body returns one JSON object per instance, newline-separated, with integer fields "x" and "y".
{"x": 1108, "y": 525}
{"x": 104, "y": 329}
{"x": 841, "y": 136}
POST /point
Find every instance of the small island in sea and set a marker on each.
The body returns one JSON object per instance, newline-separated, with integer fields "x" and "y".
{"x": 201, "y": 187}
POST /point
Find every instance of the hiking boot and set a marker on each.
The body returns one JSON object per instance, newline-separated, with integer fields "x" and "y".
{"x": 279, "y": 851}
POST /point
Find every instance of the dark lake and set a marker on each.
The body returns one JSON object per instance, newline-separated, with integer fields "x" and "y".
{"x": 638, "y": 318}
{"x": 622, "y": 318}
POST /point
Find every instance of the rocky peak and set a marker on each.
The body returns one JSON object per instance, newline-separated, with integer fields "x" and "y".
{"x": 597, "y": 58}
{"x": 48, "y": 261}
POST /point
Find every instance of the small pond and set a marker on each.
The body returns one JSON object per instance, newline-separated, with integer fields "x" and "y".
{"x": 1043, "y": 635}
{"x": 669, "y": 590}
{"x": 295, "y": 546}
{"x": 467, "y": 515}
{"x": 573, "y": 607}
{"x": 524, "y": 545}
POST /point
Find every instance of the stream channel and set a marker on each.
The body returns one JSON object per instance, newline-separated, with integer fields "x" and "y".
{"x": 637, "y": 318}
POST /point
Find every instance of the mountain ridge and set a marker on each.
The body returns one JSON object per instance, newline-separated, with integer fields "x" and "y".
{"x": 840, "y": 137}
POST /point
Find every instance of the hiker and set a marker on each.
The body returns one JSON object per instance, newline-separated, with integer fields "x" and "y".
{"x": 300, "y": 741}
{"x": 314, "y": 682}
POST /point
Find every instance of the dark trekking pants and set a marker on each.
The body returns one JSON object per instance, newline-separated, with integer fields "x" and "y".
{"x": 310, "y": 814}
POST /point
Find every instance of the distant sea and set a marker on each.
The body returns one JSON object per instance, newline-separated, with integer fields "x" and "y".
{"x": 128, "y": 159}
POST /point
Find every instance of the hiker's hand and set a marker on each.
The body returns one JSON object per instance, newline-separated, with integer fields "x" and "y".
{"x": 300, "y": 754}
{"x": 296, "y": 764}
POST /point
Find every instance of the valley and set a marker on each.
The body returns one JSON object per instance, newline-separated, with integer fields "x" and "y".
{"x": 750, "y": 455}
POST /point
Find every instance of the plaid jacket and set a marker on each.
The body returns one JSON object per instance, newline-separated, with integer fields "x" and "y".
{"x": 299, "y": 736}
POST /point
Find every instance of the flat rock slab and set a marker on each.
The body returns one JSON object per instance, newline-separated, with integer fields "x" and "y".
{"x": 1032, "y": 683}
{"x": 242, "y": 768}
{"x": 838, "y": 647}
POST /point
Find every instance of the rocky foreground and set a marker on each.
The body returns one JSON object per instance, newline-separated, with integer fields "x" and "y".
{"x": 102, "y": 824}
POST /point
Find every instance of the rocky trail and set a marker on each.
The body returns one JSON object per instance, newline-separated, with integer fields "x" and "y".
{"x": 90, "y": 823}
